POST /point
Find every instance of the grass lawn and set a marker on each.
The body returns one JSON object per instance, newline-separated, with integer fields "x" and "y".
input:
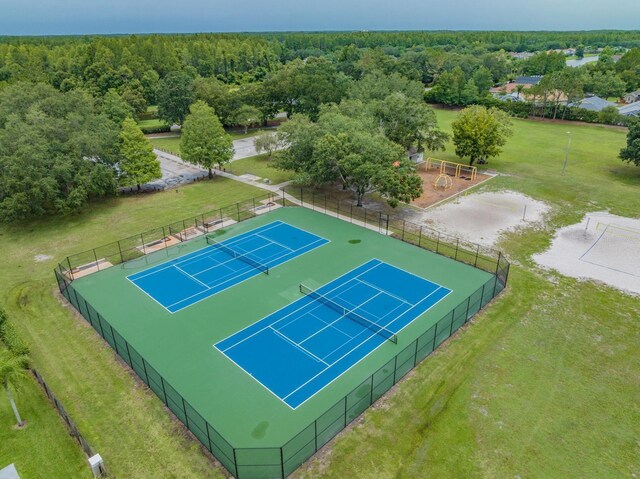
{"x": 544, "y": 383}
{"x": 122, "y": 420}
{"x": 43, "y": 448}
{"x": 170, "y": 144}
{"x": 151, "y": 123}
{"x": 260, "y": 166}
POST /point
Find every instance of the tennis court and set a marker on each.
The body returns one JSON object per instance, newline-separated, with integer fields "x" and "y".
{"x": 191, "y": 278}
{"x": 298, "y": 350}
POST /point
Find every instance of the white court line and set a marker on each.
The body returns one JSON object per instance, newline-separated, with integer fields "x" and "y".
{"x": 204, "y": 251}
{"x": 361, "y": 359}
{"x": 192, "y": 277}
{"x": 273, "y": 241}
{"x": 341, "y": 317}
{"x": 298, "y": 346}
{"x": 288, "y": 314}
{"x": 329, "y": 324}
{"x": 319, "y": 240}
{"x": 353, "y": 349}
{"x": 230, "y": 260}
{"x": 385, "y": 292}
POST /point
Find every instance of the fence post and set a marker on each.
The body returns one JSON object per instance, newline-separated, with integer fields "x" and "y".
{"x": 235, "y": 462}
{"x": 395, "y": 366}
{"x": 164, "y": 391}
{"x": 325, "y": 204}
{"x": 144, "y": 250}
{"x": 438, "y": 243}
{"x": 457, "y": 245}
{"x": 301, "y": 196}
{"x": 345, "y": 411}
{"x": 415, "y": 355}
{"x": 184, "y": 408}
{"x": 371, "y": 396}
{"x": 315, "y": 435}
{"x": 420, "y": 237}
{"x": 95, "y": 257}
{"x": 282, "y": 461}
{"x": 475, "y": 263}
{"x": 313, "y": 200}
{"x": 238, "y": 210}
{"x": 403, "y": 226}
{"x": 351, "y": 213}
{"x": 120, "y": 250}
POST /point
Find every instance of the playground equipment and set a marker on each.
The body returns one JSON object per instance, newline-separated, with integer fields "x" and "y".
{"x": 450, "y": 168}
{"x": 443, "y": 181}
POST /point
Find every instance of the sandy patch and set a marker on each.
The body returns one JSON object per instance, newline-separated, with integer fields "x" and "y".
{"x": 484, "y": 217}
{"x": 602, "y": 247}
{"x": 39, "y": 258}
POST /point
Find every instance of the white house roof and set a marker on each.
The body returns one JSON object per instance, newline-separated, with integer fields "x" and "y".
{"x": 594, "y": 103}
{"x": 632, "y": 109}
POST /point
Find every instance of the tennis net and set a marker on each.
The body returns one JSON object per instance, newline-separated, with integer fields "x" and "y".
{"x": 376, "y": 328}
{"x": 241, "y": 256}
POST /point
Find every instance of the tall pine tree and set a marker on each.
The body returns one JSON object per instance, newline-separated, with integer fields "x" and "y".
{"x": 138, "y": 163}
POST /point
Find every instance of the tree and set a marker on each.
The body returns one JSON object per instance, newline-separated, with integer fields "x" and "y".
{"x": 114, "y": 106}
{"x": 409, "y": 122}
{"x": 580, "y": 52}
{"x": 246, "y": 116}
{"x": 175, "y": 94}
{"x": 544, "y": 63}
{"x": 12, "y": 371}
{"x": 204, "y": 142}
{"x": 266, "y": 143}
{"x": 138, "y": 163}
{"x": 483, "y": 79}
{"x": 217, "y": 95}
{"x": 55, "y": 152}
{"x": 349, "y": 150}
{"x": 480, "y": 133}
{"x": 631, "y": 153}
{"x": 378, "y": 86}
{"x": 606, "y": 84}
{"x": 610, "y": 115}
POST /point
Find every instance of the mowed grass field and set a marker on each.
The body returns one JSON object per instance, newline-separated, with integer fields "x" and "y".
{"x": 543, "y": 384}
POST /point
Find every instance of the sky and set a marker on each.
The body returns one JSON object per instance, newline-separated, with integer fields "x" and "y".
{"x": 61, "y": 17}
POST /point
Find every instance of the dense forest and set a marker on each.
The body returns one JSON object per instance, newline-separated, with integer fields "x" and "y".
{"x": 64, "y": 100}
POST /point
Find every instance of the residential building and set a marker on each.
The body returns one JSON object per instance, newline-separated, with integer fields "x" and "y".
{"x": 593, "y": 103}
{"x": 632, "y": 109}
{"x": 632, "y": 97}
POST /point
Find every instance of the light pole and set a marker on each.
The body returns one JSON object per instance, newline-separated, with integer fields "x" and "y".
{"x": 566, "y": 158}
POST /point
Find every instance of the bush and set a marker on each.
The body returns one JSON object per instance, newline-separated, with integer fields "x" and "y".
{"x": 9, "y": 336}
{"x": 155, "y": 129}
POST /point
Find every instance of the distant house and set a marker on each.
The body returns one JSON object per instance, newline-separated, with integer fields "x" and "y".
{"x": 531, "y": 80}
{"x": 632, "y": 109}
{"x": 632, "y": 97}
{"x": 593, "y": 103}
{"x": 509, "y": 90}
{"x": 521, "y": 55}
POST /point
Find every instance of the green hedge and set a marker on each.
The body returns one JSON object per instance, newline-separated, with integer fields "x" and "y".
{"x": 9, "y": 336}
{"x": 155, "y": 129}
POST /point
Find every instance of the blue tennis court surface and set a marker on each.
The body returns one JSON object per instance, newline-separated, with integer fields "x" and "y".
{"x": 184, "y": 281}
{"x": 298, "y": 350}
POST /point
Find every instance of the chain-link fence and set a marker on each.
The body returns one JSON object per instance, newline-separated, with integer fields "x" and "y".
{"x": 279, "y": 462}
{"x": 71, "y": 425}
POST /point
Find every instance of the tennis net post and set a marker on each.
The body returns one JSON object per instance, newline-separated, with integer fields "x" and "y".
{"x": 376, "y": 328}
{"x": 240, "y": 256}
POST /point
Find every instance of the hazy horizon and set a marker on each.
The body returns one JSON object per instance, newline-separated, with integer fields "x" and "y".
{"x": 115, "y": 17}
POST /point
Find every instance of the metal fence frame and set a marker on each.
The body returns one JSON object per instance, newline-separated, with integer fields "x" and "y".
{"x": 279, "y": 462}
